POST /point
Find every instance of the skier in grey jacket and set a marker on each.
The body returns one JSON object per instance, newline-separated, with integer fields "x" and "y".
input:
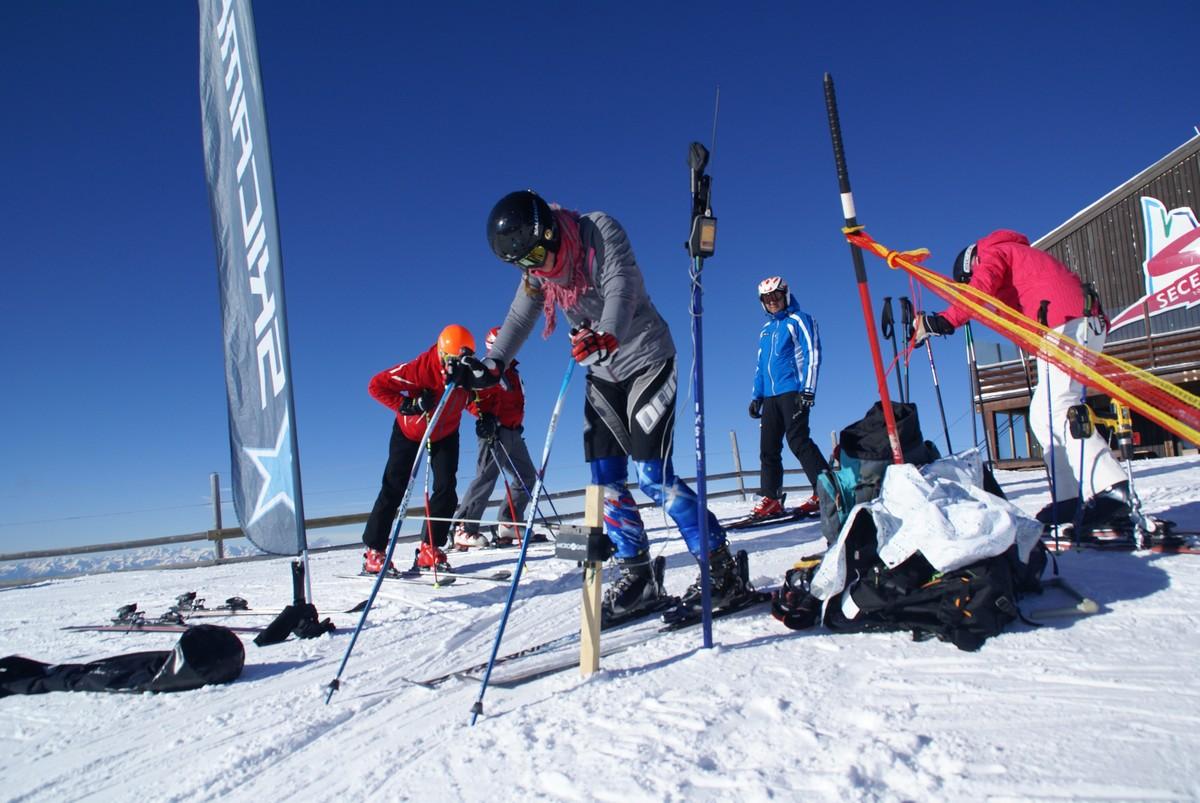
{"x": 585, "y": 265}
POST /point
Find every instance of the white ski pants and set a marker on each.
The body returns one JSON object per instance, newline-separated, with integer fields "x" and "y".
{"x": 1086, "y": 466}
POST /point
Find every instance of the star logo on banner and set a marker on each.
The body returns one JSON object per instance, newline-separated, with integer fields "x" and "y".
{"x": 275, "y": 468}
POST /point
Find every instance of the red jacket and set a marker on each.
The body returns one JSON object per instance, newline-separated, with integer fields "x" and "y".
{"x": 506, "y": 403}
{"x": 391, "y": 387}
{"x": 1022, "y": 277}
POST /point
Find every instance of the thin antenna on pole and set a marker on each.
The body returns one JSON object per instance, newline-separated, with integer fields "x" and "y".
{"x": 716, "y": 108}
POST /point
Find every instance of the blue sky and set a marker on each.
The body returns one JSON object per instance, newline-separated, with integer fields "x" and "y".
{"x": 395, "y": 128}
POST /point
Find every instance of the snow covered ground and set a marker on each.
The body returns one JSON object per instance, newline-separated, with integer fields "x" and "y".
{"x": 1099, "y": 708}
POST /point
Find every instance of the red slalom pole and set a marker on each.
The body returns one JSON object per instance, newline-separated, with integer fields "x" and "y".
{"x": 860, "y": 271}
{"x": 428, "y": 513}
{"x": 512, "y": 509}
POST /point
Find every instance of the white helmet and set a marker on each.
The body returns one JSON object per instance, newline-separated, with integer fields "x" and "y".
{"x": 490, "y": 340}
{"x": 770, "y": 285}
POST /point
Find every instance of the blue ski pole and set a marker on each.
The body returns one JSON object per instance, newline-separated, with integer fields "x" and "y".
{"x": 701, "y": 243}
{"x": 336, "y": 683}
{"x": 477, "y": 708}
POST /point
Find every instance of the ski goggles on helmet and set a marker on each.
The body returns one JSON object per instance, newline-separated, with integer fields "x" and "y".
{"x": 535, "y": 258}
{"x": 774, "y": 297}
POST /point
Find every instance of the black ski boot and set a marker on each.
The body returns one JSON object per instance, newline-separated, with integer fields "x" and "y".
{"x": 1061, "y": 512}
{"x": 1108, "y": 516}
{"x": 636, "y": 592}
{"x": 729, "y": 582}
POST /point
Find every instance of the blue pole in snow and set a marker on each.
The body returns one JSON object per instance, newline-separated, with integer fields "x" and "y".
{"x": 701, "y": 243}
{"x": 477, "y": 708}
{"x": 701, "y": 480}
{"x": 335, "y": 684}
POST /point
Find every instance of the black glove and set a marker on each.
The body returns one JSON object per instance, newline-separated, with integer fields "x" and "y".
{"x": 756, "y": 408}
{"x": 806, "y": 400}
{"x": 926, "y": 325}
{"x": 472, "y": 373}
{"x": 417, "y": 405}
{"x": 486, "y": 426}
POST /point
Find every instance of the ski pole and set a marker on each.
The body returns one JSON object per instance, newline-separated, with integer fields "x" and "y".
{"x": 701, "y": 243}
{"x": 887, "y": 323}
{"x": 1029, "y": 388}
{"x": 973, "y": 378}
{"x": 512, "y": 509}
{"x": 336, "y": 683}
{"x": 477, "y": 708}
{"x": 860, "y": 270}
{"x": 937, "y": 388}
{"x": 1043, "y": 316}
{"x": 529, "y": 491}
{"x": 907, "y": 319}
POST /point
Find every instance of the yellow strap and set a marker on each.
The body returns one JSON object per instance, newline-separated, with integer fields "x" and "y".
{"x": 1041, "y": 341}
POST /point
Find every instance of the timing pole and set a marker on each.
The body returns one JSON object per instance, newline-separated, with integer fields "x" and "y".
{"x": 860, "y": 271}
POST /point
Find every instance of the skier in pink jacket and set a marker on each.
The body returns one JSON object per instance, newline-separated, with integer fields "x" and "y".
{"x": 1006, "y": 267}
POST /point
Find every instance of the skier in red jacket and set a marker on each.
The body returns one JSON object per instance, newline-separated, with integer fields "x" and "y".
{"x": 1006, "y": 267}
{"x": 412, "y": 389}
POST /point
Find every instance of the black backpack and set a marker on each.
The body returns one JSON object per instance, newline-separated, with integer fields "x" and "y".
{"x": 864, "y": 453}
{"x": 964, "y": 607}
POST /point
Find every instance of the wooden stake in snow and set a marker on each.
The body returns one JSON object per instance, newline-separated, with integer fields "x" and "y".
{"x": 593, "y": 577}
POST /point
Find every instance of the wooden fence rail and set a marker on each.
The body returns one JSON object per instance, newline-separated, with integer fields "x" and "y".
{"x": 219, "y": 536}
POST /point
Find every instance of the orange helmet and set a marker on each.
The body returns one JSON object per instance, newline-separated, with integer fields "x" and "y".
{"x": 454, "y": 340}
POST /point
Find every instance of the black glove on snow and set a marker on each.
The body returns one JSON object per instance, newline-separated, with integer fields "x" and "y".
{"x": 486, "y": 426}
{"x": 756, "y": 408}
{"x": 416, "y": 405}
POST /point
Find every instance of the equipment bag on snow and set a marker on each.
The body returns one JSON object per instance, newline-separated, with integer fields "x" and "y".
{"x": 934, "y": 554}
{"x": 964, "y": 607}
{"x": 864, "y": 453}
{"x": 204, "y": 654}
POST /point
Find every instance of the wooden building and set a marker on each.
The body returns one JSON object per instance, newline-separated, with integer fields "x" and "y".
{"x": 1140, "y": 246}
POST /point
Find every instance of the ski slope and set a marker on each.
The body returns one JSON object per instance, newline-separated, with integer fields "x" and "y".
{"x": 1097, "y": 708}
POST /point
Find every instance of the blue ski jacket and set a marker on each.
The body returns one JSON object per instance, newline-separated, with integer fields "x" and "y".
{"x": 789, "y": 353}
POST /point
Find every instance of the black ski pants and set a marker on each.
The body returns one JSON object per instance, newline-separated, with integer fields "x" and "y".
{"x": 402, "y": 453}
{"x": 783, "y": 416}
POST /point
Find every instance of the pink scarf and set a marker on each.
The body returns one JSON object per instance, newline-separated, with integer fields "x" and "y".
{"x": 568, "y": 263}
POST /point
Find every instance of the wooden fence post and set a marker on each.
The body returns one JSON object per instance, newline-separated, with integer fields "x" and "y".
{"x": 215, "y": 481}
{"x": 737, "y": 464}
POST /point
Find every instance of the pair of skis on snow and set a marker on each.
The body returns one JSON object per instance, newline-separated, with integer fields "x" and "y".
{"x": 444, "y": 577}
{"x": 791, "y": 514}
{"x": 1164, "y": 539}
{"x": 131, "y": 620}
{"x": 561, "y": 652}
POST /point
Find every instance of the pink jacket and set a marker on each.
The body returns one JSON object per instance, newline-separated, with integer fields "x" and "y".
{"x": 1022, "y": 277}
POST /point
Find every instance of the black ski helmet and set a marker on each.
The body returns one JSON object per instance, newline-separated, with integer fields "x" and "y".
{"x": 964, "y": 263}
{"x": 519, "y": 222}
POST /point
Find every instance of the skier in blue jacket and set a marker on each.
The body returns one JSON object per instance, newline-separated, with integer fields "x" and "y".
{"x": 785, "y": 387}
